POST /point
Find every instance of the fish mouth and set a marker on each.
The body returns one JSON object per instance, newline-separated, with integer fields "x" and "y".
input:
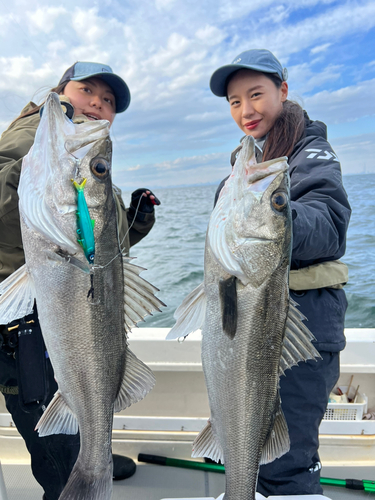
{"x": 252, "y": 239}
{"x": 259, "y": 240}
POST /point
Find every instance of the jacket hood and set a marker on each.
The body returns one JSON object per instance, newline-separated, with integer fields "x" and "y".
{"x": 315, "y": 128}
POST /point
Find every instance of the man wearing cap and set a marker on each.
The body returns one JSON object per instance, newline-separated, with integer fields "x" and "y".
{"x": 88, "y": 91}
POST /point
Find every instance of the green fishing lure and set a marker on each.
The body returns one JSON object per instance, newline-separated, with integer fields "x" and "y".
{"x": 85, "y": 224}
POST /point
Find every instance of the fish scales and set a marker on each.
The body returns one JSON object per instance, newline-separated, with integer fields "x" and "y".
{"x": 81, "y": 307}
{"x": 87, "y": 339}
{"x": 242, "y": 376}
{"x": 249, "y": 237}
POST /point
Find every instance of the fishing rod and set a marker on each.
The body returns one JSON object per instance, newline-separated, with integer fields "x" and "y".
{"x": 351, "y": 484}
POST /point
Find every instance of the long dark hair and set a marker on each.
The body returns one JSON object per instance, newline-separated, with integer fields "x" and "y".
{"x": 59, "y": 89}
{"x": 288, "y": 128}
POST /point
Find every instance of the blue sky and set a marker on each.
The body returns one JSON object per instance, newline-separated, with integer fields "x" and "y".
{"x": 176, "y": 131}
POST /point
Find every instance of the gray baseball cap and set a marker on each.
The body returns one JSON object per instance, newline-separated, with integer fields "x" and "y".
{"x": 256, "y": 59}
{"x": 84, "y": 70}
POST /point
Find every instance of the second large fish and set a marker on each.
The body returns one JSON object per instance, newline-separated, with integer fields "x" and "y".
{"x": 251, "y": 329}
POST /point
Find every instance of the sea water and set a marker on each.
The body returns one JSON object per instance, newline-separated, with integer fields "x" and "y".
{"x": 173, "y": 251}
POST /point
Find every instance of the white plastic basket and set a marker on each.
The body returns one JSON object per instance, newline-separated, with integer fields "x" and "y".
{"x": 347, "y": 411}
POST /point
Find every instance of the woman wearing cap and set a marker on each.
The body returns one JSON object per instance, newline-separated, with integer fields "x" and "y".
{"x": 256, "y": 89}
{"x": 88, "y": 91}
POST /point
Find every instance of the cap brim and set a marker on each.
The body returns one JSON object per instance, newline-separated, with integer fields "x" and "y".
{"x": 219, "y": 79}
{"x": 117, "y": 84}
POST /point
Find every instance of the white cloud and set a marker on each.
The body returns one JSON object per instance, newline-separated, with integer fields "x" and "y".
{"x": 343, "y": 20}
{"x": 347, "y": 104}
{"x": 164, "y": 4}
{"x": 56, "y": 46}
{"x": 228, "y": 9}
{"x": 43, "y": 19}
{"x": 304, "y": 79}
{"x": 88, "y": 25}
{"x": 190, "y": 161}
{"x": 356, "y": 153}
{"x": 199, "y": 169}
{"x": 211, "y": 35}
{"x": 207, "y": 116}
{"x": 167, "y": 50}
{"x": 19, "y": 73}
{"x": 320, "y": 48}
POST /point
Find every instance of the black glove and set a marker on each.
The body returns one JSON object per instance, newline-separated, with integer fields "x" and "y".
{"x": 142, "y": 202}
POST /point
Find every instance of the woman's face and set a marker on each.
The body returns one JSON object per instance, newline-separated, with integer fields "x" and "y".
{"x": 93, "y": 98}
{"x": 255, "y": 101}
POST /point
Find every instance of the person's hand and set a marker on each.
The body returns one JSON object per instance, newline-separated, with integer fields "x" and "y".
{"x": 144, "y": 199}
{"x": 66, "y": 105}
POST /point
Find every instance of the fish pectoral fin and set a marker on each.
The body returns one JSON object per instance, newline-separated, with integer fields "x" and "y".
{"x": 297, "y": 344}
{"x": 207, "y": 445}
{"x": 137, "y": 382}
{"x": 17, "y": 296}
{"x": 228, "y": 302}
{"x": 140, "y": 300}
{"x": 278, "y": 442}
{"x": 190, "y": 314}
{"x": 57, "y": 419}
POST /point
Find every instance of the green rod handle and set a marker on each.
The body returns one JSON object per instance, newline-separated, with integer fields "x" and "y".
{"x": 352, "y": 484}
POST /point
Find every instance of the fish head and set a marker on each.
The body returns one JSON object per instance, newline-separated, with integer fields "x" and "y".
{"x": 96, "y": 169}
{"x": 250, "y": 233}
{"x": 62, "y": 151}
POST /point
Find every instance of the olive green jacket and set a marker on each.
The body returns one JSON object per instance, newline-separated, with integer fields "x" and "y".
{"x": 15, "y": 143}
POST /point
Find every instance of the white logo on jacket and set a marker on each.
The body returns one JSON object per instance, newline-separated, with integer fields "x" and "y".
{"x": 328, "y": 155}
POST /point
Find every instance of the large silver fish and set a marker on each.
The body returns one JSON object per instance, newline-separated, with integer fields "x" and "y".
{"x": 87, "y": 298}
{"x": 251, "y": 329}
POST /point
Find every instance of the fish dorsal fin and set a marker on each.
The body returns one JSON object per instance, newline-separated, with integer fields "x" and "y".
{"x": 17, "y": 296}
{"x": 57, "y": 419}
{"x": 190, "y": 314}
{"x": 137, "y": 382}
{"x": 140, "y": 299}
{"x": 206, "y": 445}
{"x": 278, "y": 442}
{"x": 297, "y": 345}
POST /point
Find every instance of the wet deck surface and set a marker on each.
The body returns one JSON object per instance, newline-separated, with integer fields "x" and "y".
{"x": 152, "y": 482}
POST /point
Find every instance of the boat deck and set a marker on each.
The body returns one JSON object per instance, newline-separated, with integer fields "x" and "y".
{"x": 169, "y": 418}
{"x": 153, "y": 482}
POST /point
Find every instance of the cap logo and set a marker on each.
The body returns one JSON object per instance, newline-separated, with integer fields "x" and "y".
{"x": 236, "y": 61}
{"x": 105, "y": 70}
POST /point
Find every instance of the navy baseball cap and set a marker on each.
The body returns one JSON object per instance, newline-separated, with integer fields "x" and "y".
{"x": 256, "y": 59}
{"x": 84, "y": 70}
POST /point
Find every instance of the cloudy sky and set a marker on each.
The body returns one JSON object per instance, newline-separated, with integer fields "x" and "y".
{"x": 176, "y": 131}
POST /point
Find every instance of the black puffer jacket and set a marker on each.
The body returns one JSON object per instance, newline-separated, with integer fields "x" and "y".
{"x": 321, "y": 214}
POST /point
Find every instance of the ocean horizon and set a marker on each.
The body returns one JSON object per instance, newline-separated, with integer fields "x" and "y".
{"x": 173, "y": 252}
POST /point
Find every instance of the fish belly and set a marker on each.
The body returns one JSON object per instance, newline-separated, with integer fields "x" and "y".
{"x": 86, "y": 344}
{"x": 242, "y": 376}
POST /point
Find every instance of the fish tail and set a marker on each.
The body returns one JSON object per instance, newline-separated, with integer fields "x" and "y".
{"x": 85, "y": 486}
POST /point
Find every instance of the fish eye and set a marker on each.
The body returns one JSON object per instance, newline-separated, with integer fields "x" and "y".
{"x": 99, "y": 167}
{"x": 279, "y": 200}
